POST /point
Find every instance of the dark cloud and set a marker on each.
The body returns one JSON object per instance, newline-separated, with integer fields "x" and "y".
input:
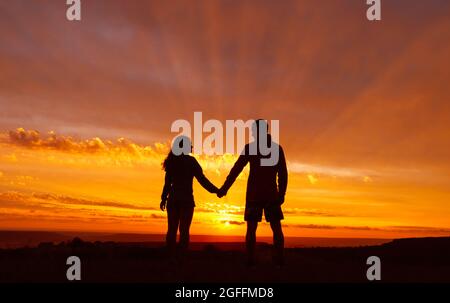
{"x": 401, "y": 229}
{"x": 155, "y": 216}
{"x": 65, "y": 200}
{"x": 312, "y": 212}
{"x": 232, "y": 222}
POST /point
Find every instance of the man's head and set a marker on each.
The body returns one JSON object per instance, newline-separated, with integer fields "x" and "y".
{"x": 260, "y": 129}
{"x": 263, "y": 143}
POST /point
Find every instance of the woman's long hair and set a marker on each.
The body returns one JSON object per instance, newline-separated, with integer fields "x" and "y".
{"x": 181, "y": 145}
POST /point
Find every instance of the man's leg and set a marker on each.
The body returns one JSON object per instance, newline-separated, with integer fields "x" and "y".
{"x": 186, "y": 215}
{"x": 278, "y": 242}
{"x": 173, "y": 219}
{"x": 250, "y": 241}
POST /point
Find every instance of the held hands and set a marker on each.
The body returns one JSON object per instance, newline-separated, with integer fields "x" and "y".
{"x": 221, "y": 192}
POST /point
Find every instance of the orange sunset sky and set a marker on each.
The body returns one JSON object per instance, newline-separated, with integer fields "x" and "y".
{"x": 86, "y": 109}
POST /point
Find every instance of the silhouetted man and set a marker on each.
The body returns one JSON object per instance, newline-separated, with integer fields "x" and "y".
{"x": 263, "y": 192}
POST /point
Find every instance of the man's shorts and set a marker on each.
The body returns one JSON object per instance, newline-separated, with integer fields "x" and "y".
{"x": 272, "y": 211}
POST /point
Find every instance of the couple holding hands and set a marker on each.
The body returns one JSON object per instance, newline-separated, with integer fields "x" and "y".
{"x": 266, "y": 188}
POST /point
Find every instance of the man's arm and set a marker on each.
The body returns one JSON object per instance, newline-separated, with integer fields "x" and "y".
{"x": 282, "y": 176}
{"x": 235, "y": 171}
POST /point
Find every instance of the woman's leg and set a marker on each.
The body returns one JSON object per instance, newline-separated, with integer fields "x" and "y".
{"x": 186, "y": 214}
{"x": 173, "y": 219}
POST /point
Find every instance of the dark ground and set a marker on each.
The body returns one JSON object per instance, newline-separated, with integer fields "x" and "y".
{"x": 405, "y": 260}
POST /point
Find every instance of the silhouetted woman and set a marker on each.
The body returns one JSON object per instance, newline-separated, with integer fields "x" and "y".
{"x": 177, "y": 195}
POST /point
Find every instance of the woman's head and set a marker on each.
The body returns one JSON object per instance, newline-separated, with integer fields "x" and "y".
{"x": 181, "y": 146}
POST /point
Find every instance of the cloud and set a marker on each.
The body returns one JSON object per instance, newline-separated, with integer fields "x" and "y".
{"x": 397, "y": 229}
{"x": 311, "y": 212}
{"x": 220, "y": 208}
{"x": 44, "y": 209}
{"x": 311, "y": 226}
{"x": 115, "y": 152}
{"x": 34, "y": 139}
{"x": 420, "y": 229}
{"x": 313, "y": 169}
{"x": 125, "y": 151}
{"x": 155, "y": 216}
{"x": 228, "y": 209}
{"x": 33, "y": 198}
{"x": 232, "y": 222}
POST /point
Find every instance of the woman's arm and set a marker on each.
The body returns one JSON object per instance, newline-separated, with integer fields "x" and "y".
{"x": 166, "y": 190}
{"x": 201, "y": 178}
